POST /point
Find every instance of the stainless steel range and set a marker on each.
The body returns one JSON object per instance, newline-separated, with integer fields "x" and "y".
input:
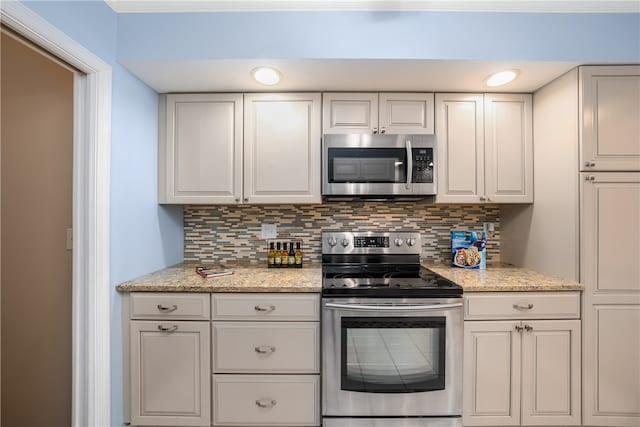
{"x": 392, "y": 335}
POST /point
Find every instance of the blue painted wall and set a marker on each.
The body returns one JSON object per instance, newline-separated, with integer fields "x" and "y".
{"x": 144, "y": 236}
{"x": 585, "y": 38}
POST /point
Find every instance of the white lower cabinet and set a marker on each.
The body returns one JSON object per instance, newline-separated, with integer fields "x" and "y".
{"x": 266, "y": 360}
{"x": 266, "y": 400}
{"x": 521, "y": 372}
{"x": 169, "y": 373}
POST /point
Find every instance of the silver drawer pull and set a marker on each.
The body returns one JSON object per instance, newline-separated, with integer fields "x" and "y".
{"x": 265, "y": 349}
{"x": 266, "y": 403}
{"x": 262, "y": 308}
{"x": 528, "y": 328}
{"x": 168, "y": 329}
{"x": 523, "y": 307}
{"x": 165, "y": 309}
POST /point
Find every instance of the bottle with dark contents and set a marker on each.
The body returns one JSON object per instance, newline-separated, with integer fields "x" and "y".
{"x": 277, "y": 256}
{"x": 284, "y": 255}
{"x": 292, "y": 255}
{"x": 271, "y": 256}
{"x": 298, "y": 255}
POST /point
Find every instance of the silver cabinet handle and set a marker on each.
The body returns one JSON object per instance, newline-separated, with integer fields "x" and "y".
{"x": 383, "y": 130}
{"x": 246, "y": 199}
{"x": 519, "y": 328}
{"x": 262, "y": 308}
{"x": 409, "y": 164}
{"x": 590, "y": 164}
{"x": 523, "y": 307}
{"x": 375, "y": 131}
{"x": 169, "y": 309}
{"x": 266, "y": 403}
{"x": 482, "y": 198}
{"x": 528, "y": 328}
{"x": 370, "y": 307}
{"x": 237, "y": 199}
{"x": 264, "y": 349}
{"x": 590, "y": 178}
{"x": 168, "y": 329}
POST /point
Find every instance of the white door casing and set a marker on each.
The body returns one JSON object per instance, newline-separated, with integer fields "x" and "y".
{"x": 91, "y": 391}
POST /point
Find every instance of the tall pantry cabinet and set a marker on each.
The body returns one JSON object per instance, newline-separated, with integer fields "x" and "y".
{"x": 585, "y": 225}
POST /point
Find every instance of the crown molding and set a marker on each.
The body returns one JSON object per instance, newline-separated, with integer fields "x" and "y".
{"x": 524, "y": 6}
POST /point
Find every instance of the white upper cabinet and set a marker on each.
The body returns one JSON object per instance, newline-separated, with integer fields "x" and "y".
{"x": 508, "y": 148}
{"x": 460, "y": 142}
{"x": 394, "y": 113}
{"x": 610, "y": 118}
{"x": 200, "y": 152}
{"x": 485, "y": 150}
{"x": 282, "y": 148}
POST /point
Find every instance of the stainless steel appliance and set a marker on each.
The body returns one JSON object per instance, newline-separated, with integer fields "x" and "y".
{"x": 391, "y": 337}
{"x": 364, "y": 165}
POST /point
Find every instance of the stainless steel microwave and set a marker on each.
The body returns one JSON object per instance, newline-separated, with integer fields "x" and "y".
{"x": 361, "y": 165}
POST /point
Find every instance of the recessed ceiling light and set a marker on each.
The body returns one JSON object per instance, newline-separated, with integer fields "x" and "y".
{"x": 501, "y": 78}
{"x": 266, "y": 75}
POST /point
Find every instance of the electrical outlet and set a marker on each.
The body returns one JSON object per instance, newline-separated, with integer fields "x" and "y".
{"x": 269, "y": 231}
{"x": 489, "y": 229}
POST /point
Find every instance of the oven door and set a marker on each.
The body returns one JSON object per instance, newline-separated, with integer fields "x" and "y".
{"x": 392, "y": 357}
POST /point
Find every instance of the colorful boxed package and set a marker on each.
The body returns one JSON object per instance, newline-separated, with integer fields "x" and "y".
{"x": 468, "y": 249}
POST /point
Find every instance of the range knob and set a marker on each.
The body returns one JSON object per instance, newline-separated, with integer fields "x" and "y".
{"x": 398, "y": 241}
{"x": 411, "y": 241}
{"x": 332, "y": 241}
{"x": 345, "y": 242}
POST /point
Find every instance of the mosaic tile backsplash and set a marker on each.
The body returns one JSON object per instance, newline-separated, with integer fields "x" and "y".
{"x": 232, "y": 233}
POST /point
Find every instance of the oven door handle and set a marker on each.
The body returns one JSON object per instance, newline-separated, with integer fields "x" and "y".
{"x": 409, "y": 164}
{"x": 372, "y": 307}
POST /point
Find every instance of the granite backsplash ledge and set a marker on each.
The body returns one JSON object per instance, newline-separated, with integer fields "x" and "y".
{"x": 219, "y": 234}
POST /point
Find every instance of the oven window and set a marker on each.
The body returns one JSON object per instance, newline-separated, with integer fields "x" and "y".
{"x": 393, "y": 355}
{"x": 364, "y": 165}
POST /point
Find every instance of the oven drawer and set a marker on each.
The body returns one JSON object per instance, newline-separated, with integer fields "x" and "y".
{"x": 522, "y": 305}
{"x": 266, "y": 400}
{"x": 254, "y": 347}
{"x": 295, "y": 307}
{"x": 166, "y": 305}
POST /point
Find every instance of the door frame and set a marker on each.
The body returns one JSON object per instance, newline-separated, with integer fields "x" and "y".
{"x": 91, "y": 373}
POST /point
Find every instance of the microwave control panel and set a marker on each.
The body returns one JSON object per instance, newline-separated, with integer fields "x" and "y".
{"x": 422, "y": 165}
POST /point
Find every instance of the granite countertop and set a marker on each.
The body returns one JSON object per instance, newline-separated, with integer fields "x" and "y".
{"x": 503, "y": 278}
{"x": 245, "y": 278}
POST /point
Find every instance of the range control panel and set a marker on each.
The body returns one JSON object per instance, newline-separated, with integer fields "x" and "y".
{"x": 400, "y": 242}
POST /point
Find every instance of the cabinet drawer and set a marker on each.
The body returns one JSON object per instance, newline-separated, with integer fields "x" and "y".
{"x": 266, "y": 307}
{"x": 522, "y": 305}
{"x": 183, "y": 306}
{"x": 252, "y": 347}
{"x": 266, "y": 400}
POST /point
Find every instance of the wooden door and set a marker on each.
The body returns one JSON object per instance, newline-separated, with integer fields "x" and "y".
{"x": 282, "y": 148}
{"x": 610, "y": 271}
{"x": 491, "y": 383}
{"x": 508, "y": 148}
{"x": 200, "y": 153}
{"x": 460, "y": 147}
{"x": 610, "y": 118}
{"x": 551, "y": 373}
{"x": 350, "y": 113}
{"x": 406, "y": 113}
{"x": 170, "y": 373}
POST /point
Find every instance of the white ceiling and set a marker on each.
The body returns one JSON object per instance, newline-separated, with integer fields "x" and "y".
{"x": 563, "y": 6}
{"x": 344, "y": 75}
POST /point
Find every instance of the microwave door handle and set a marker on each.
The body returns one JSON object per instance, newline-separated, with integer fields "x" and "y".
{"x": 409, "y": 165}
{"x": 374, "y": 307}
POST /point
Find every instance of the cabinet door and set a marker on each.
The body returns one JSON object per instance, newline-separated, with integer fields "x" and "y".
{"x": 170, "y": 373}
{"x": 406, "y": 113}
{"x": 491, "y": 384}
{"x": 551, "y": 373}
{"x": 460, "y": 143}
{"x": 609, "y": 112}
{"x": 508, "y": 148}
{"x": 282, "y": 148}
{"x": 350, "y": 112}
{"x": 200, "y": 153}
{"x": 610, "y": 271}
